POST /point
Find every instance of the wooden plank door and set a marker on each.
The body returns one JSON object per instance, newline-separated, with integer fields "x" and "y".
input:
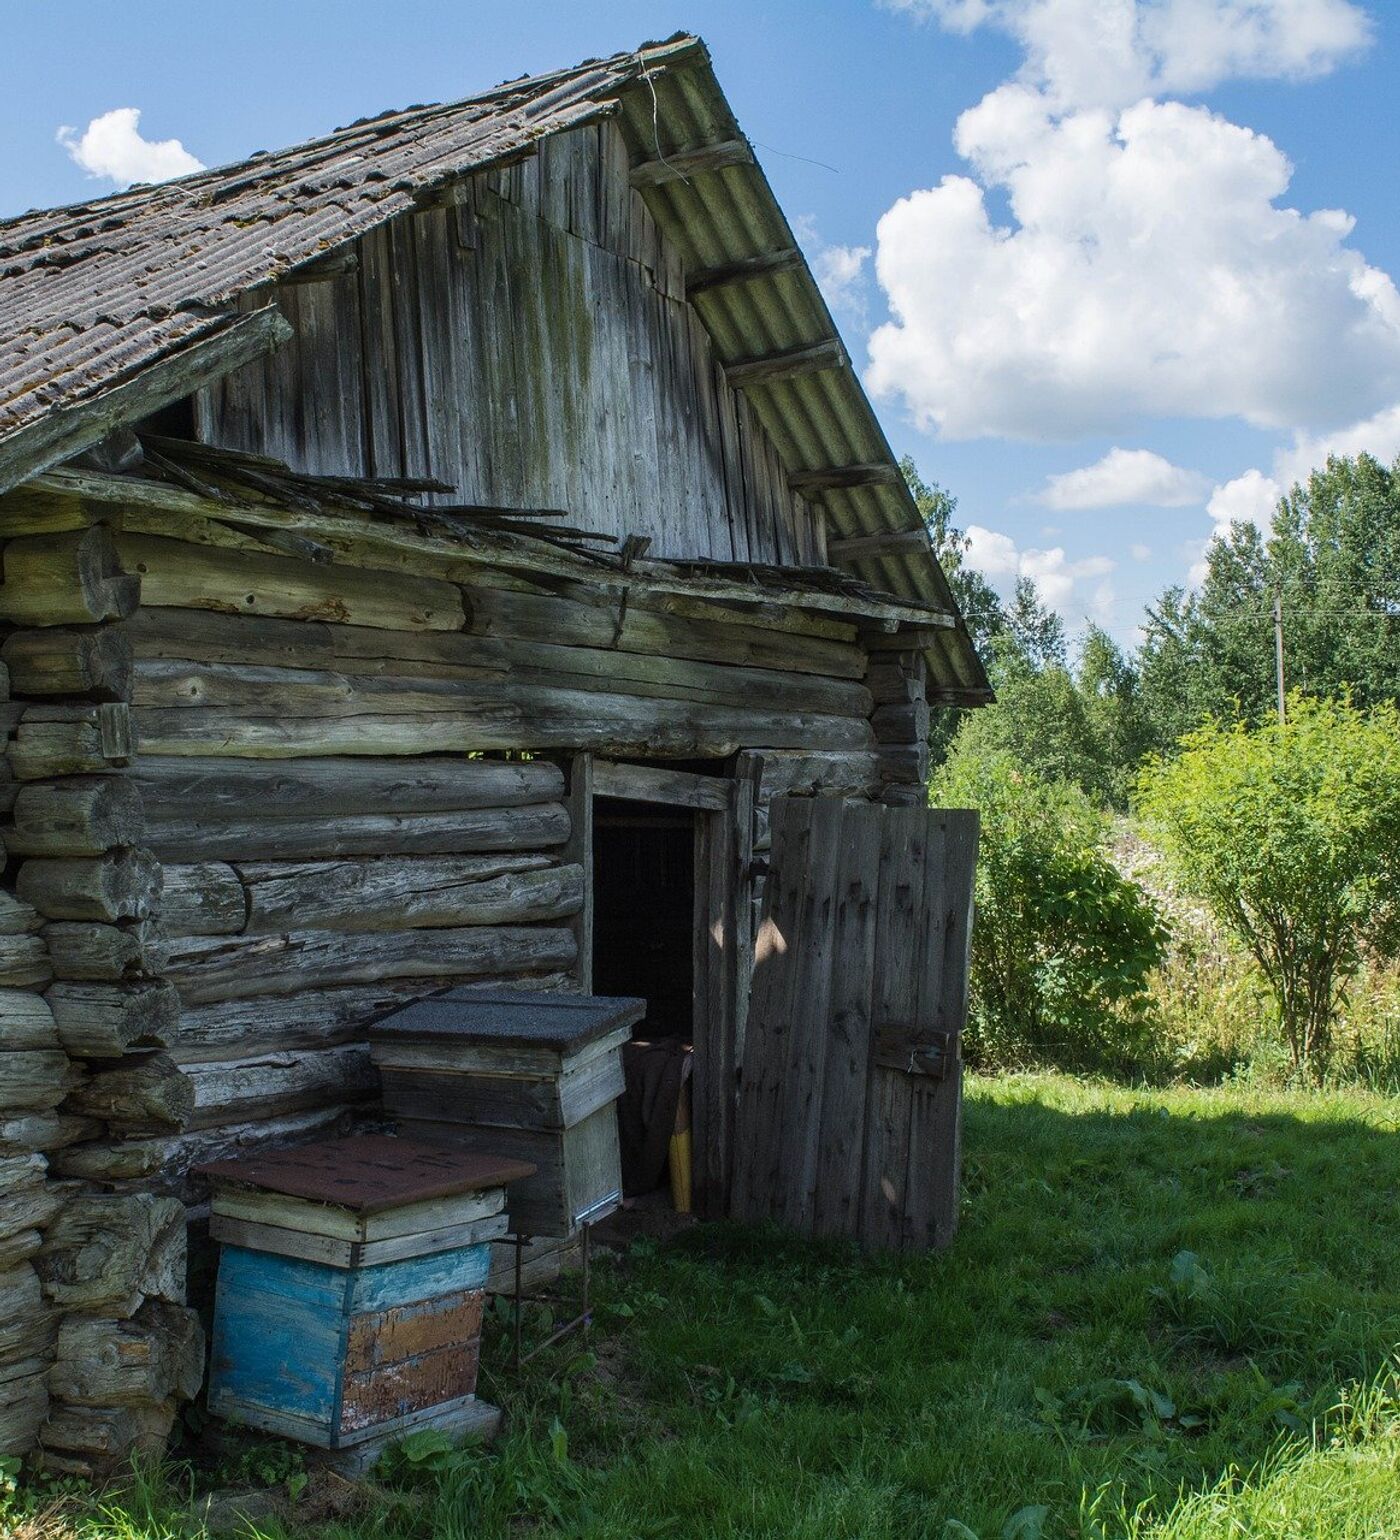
{"x": 849, "y": 1118}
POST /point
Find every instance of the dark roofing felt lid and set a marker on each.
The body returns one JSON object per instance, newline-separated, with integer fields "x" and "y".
{"x": 369, "y": 1172}
{"x": 480, "y": 1018}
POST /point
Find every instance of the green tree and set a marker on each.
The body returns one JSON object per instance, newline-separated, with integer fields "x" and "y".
{"x": 1291, "y": 833}
{"x": 981, "y": 607}
{"x": 1062, "y": 944}
{"x": 1114, "y": 711}
{"x": 1085, "y": 726}
{"x": 1032, "y": 635}
{"x": 1040, "y": 721}
{"x": 1332, "y": 554}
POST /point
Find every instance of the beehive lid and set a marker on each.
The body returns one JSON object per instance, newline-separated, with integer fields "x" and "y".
{"x": 560, "y": 1023}
{"x": 368, "y": 1173}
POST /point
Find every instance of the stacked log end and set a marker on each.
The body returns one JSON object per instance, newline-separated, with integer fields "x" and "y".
{"x": 35, "y": 1077}
{"x": 101, "y": 1345}
{"x": 898, "y": 684}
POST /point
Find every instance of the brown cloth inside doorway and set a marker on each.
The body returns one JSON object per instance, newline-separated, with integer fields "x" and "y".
{"x": 656, "y": 1073}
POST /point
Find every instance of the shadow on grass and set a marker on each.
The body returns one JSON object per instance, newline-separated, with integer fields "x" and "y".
{"x": 1149, "y": 1290}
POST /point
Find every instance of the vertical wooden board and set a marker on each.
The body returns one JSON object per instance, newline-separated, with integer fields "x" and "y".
{"x": 926, "y": 1104}
{"x": 379, "y": 355}
{"x": 761, "y": 544}
{"x": 495, "y": 300}
{"x": 434, "y": 246}
{"x": 784, "y": 1052}
{"x": 407, "y": 281}
{"x": 710, "y": 514}
{"x": 672, "y": 466}
{"x": 735, "y": 491}
{"x": 632, "y": 409}
{"x": 579, "y": 850}
{"x": 699, "y": 511}
{"x": 458, "y": 412}
{"x": 615, "y": 195}
{"x": 801, "y": 1128}
{"x": 705, "y": 967}
{"x": 766, "y": 1043}
{"x": 537, "y": 301}
{"x": 944, "y": 1161}
{"x": 837, "y": 1184}
{"x": 898, "y": 959}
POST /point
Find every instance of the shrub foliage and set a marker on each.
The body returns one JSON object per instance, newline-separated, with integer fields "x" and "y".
{"x": 1062, "y": 944}
{"x": 1291, "y": 833}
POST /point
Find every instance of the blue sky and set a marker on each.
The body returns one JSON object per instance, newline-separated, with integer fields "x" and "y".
{"x": 1110, "y": 269}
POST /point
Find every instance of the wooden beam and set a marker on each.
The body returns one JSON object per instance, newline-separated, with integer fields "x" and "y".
{"x": 837, "y": 478}
{"x": 64, "y": 433}
{"x": 911, "y": 638}
{"x": 744, "y": 270}
{"x": 680, "y": 165}
{"x": 671, "y": 788}
{"x": 396, "y": 547}
{"x": 887, "y": 543}
{"x": 787, "y": 364}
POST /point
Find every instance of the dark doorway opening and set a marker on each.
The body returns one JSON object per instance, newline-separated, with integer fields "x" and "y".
{"x": 644, "y": 911}
{"x": 644, "y": 944}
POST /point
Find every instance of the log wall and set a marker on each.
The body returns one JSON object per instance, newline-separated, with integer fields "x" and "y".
{"x": 533, "y": 346}
{"x": 253, "y": 801}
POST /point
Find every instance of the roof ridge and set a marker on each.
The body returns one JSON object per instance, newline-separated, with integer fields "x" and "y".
{"x": 525, "y": 87}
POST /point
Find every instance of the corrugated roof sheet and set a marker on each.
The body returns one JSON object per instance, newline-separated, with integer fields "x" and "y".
{"x": 94, "y": 293}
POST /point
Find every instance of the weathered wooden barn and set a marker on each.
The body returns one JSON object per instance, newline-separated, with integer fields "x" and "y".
{"x": 456, "y": 548}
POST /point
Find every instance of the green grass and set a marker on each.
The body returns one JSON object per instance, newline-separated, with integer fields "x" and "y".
{"x": 1156, "y": 1306}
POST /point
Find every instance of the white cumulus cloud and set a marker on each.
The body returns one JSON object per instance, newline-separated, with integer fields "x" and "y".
{"x": 1148, "y": 271}
{"x": 1113, "y": 52}
{"x": 1378, "y": 435}
{"x": 839, "y": 270}
{"x": 1125, "y": 477}
{"x": 1059, "y": 579}
{"x": 1248, "y": 499}
{"x": 111, "y": 146}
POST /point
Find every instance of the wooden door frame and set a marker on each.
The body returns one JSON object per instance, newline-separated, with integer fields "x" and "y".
{"x": 722, "y": 955}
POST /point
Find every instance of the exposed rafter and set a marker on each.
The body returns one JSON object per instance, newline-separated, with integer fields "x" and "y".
{"x": 745, "y": 270}
{"x": 836, "y": 478}
{"x": 891, "y": 543}
{"x": 784, "y": 365}
{"x": 681, "y": 164}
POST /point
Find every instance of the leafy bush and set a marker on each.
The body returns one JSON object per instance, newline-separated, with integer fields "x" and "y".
{"x": 1062, "y": 945}
{"x": 1291, "y": 833}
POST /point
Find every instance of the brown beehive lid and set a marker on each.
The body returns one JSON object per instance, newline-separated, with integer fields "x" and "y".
{"x": 520, "y": 1017}
{"x": 368, "y": 1173}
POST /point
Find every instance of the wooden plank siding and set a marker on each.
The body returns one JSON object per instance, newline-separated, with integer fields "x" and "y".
{"x": 533, "y": 347}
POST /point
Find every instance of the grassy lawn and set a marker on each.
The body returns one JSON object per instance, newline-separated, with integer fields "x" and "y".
{"x": 1156, "y": 1306}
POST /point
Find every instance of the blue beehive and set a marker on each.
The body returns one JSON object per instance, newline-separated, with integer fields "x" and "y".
{"x": 351, "y": 1286}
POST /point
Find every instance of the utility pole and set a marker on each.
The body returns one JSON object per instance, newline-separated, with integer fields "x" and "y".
{"x": 1278, "y": 652}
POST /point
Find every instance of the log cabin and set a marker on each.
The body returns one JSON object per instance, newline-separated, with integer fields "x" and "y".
{"x": 455, "y": 549}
